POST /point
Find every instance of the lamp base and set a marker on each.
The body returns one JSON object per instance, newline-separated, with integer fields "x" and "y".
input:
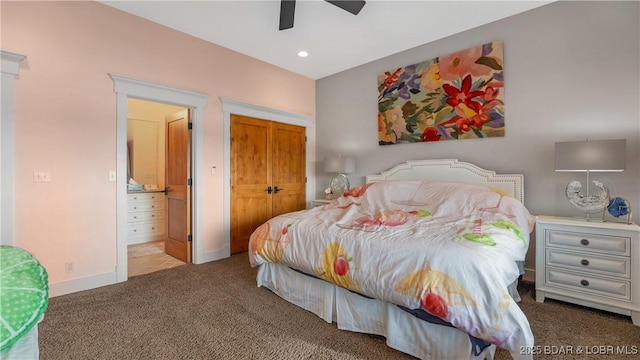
{"x": 587, "y": 204}
{"x": 589, "y": 218}
{"x": 339, "y": 185}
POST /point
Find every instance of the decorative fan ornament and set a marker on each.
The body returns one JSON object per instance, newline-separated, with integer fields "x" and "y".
{"x": 588, "y": 203}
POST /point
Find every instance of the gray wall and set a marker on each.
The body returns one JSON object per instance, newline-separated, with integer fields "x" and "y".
{"x": 571, "y": 73}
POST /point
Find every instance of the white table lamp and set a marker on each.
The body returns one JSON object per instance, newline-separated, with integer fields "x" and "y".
{"x": 341, "y": 165}
{"x": 587, "y": 157}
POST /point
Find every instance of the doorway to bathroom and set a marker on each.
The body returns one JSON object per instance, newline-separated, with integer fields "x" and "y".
{"x": 158, "y": 198}
{"x": 129, "y": 88}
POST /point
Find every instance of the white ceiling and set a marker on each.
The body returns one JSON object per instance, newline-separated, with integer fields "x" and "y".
{"x": 335, "y": 39}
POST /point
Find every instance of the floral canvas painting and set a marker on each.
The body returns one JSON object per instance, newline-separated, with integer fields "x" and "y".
{"x": 453, "y": 97}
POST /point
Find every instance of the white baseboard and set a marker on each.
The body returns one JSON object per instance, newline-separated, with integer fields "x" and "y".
{"x": 214, "y": 255}
{"x": 145, "y": 239}
{"x": 86, "y": 283}
{"x": 96, "y": 281}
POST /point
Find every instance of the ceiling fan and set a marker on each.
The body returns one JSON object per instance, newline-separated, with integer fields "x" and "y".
{"x": 288, "y": 7}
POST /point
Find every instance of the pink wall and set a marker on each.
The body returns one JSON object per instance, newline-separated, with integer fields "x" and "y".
{"x": 66, "y": 119}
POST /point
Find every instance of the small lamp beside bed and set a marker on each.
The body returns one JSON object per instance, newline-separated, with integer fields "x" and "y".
{"x": 340, "y": 165}
{"x": 590, "y": 156}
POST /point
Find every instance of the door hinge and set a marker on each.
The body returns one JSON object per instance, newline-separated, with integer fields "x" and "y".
{"x": 189, "y": 238}
{"x": 190, "y": 126}
{"x": 189, "y": 182}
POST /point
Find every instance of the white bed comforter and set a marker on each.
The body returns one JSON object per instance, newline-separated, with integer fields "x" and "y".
{"x": 447, "y": 248}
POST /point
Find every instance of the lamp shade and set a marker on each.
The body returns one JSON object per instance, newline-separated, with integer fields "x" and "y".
{"x": 339, "y": 164}
{"x": 591, "y": 156}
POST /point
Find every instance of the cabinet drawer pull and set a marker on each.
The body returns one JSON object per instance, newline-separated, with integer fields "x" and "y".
{"x": 153, "y": 206}
{"x": 584, "y": 242}
{"x": 135, "y": 207}
{"x": 135, "y": 230}
{"x": 584, "y": 283}
{"x": 153, "y": 228}
{"x": 135, "y": 217}
{"x": 154, "y": 215}
{"x": 584, "y": 262}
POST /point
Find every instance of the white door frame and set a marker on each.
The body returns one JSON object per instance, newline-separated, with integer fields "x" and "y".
{"x": 10, "y": 67}
{"x": 229, "y": 107}
{"x": 144, "y": 90}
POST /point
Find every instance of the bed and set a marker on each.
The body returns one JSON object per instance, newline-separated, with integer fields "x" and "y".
{"x": 426, "y": 254}
{"x": 24, "y": 290}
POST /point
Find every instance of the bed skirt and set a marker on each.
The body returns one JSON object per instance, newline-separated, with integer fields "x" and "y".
{"x": 25, "y": 348}
{"x": 403, "y": 331}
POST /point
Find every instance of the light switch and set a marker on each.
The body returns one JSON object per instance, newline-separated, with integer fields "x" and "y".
{"x": 112, "y": 175}
{"x": 41, "y": 176}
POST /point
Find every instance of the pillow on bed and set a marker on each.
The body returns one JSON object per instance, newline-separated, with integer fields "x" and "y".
{"x": 24, "y": 290}
{"x": 442, "y": 199}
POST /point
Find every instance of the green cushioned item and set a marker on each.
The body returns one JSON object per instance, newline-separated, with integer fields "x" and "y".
{"x": 24, "y": 294}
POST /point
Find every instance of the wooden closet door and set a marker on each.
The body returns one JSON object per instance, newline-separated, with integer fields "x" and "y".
{"x": 250, "y": 177}
{"x": 289, "y": 175}
{"x": 264, "y": 155}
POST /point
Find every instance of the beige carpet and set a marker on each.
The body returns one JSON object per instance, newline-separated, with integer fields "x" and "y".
{"x": 215, "y": 311}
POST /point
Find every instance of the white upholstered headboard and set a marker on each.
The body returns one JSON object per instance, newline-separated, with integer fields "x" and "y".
{"x": 455, "y": 171}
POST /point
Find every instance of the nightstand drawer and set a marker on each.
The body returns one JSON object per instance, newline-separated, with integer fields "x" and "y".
{"x": 589, "y": 242}
{"x": 588, "y": 262}
{"x": 589, "y": 284}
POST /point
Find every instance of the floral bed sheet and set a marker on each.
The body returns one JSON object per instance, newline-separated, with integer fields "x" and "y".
{"x": 450, "y": 249}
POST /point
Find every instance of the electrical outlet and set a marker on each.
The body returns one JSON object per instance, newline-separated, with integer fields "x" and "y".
{"x": 69, "y": 267}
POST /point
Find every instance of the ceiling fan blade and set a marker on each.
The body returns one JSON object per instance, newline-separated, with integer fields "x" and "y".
{"x": 287, "y": 13}
{"x": 353, "y": 7}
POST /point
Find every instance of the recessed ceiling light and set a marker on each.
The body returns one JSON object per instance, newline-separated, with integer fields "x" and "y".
{"x": 303, "y": 53}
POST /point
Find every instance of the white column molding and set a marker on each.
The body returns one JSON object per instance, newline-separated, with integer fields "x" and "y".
{"x": 10, "y": 67}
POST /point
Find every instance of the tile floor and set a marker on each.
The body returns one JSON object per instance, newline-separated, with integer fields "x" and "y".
{"x": 149, "y": 257}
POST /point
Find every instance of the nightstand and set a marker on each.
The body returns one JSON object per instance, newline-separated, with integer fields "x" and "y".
{"x": 595, "y": 264}
{"x": 320, "y": 202}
